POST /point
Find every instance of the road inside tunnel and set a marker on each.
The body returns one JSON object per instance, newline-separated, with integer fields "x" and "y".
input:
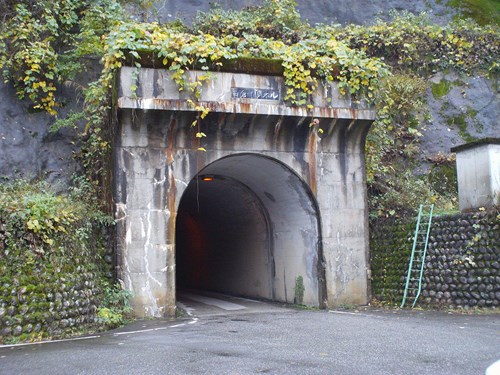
{"x": 247, "y": 225}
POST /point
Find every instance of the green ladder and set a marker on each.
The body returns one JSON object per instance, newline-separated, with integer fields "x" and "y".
{"x": 417, "y": 260}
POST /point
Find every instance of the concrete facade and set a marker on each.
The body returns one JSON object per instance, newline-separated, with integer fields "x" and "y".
{"x": 478, "y": 174}
{"x": 272, "y": 198}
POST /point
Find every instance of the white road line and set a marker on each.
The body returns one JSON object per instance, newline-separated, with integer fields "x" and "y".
{"x": 193, "y": 321}
{"x": 247, "y": 299}
{"x": 214, "y": 302}
{"x": 49, "y": 342}
{"x": 116, "y": 334}
{"x": 188, "y": 310}
{"x": 355, "y": 313}
{"x": 343, "y": 312}
{"x": 132, "y": 332}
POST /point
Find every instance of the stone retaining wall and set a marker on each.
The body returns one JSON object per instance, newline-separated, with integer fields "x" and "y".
{"x": 462, "y": 267}
{"x": 32, "y": 309}
{"x": 48, "y": 293}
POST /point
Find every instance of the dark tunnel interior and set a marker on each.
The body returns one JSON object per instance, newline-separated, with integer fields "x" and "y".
{"x": 247, "y": 226}
{"x": 223, "y": 239}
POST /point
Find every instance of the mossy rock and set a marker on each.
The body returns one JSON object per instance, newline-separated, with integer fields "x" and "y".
{"x": 443, "y": 178}
{"x": 443, "y": 88}
{"x": 484, "y": 12}
{"x": 460, "y": 122}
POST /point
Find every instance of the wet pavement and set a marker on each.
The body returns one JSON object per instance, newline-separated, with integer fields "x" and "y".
{"x": 227, "y": 335}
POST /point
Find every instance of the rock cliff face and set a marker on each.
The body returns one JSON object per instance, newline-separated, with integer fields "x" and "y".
{"x": 27, "y": 148}
{"x": 469, "y": 108}
{"x": 314, "y": 11}
{"x": 465, "y": 109}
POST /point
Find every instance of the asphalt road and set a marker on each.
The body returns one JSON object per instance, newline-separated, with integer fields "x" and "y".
{"x": 221, "y": 338}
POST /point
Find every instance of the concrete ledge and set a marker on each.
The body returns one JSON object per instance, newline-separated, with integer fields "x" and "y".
{"x": 474, "y": 144}
{"x": 154, "y": 89}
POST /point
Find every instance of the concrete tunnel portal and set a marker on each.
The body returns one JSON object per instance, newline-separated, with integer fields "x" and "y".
{"x": 277, "y": 191}
{"x": 247, "y": 225}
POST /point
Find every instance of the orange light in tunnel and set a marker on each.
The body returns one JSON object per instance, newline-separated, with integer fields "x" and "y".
{"x": 206, "y": 178}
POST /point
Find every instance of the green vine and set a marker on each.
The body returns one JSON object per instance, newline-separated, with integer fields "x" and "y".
{"x": 413, "y": 43}
{"x": 43, "y": 45}
{"x": 305, "y": 63}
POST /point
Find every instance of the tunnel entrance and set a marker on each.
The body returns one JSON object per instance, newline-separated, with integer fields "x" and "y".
{"x": 247, "y": 225}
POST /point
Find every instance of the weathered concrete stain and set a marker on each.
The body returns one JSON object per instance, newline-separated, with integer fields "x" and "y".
{"x": 311, "y": 153}
{"x": 157, "y": 157}
{"x": 171, "y": 202}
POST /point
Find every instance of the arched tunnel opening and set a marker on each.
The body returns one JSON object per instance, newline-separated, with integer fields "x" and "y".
{"x": 247, "y": 225}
